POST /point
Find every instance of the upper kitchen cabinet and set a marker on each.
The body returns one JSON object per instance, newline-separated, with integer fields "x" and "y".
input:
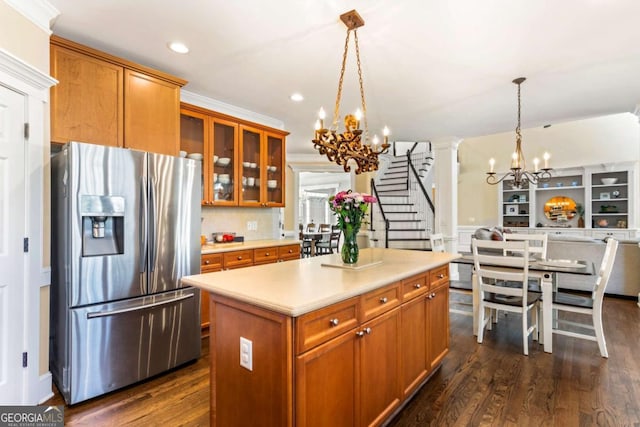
{"x": 262, "y": 160}
{"x": 243, "y": 162}
{"x": 103, "y": 99}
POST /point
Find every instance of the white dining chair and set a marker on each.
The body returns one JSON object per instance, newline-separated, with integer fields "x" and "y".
{"x": 437, "y": 242}
{"x": 492, "y": 267}
{"x": 586, "y": 305}
{"x": 537, "y": 243}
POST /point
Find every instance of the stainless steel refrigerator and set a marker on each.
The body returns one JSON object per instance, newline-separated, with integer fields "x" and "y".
{"x": 125, "y": 229}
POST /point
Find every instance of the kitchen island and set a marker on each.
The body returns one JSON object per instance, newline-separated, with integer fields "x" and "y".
{"x": 310, "y": 342}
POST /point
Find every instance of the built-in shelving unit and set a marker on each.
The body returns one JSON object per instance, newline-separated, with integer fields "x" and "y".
{"x": 604, "y": 193}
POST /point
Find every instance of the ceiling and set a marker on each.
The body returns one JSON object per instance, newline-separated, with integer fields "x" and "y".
{"x": 432, "y": 68}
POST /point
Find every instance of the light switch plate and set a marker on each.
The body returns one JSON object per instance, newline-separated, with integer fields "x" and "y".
{"x": 246, "y": 353}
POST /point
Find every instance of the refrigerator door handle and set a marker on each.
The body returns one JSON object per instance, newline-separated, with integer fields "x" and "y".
{"x": 143, "y": 225}
{"x": 96, "y": 314}
{"x": 152, "y": 225}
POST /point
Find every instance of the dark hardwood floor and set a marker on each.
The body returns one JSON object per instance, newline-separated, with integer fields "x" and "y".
{"x": 478, "y": 384}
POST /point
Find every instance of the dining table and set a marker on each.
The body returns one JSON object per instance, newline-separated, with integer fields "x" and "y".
{"x": 315, "y": 237}
{"x": 544, "y": 270}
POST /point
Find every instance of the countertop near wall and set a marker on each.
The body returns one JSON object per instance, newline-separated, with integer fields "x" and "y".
{"x": 213, "y": 248}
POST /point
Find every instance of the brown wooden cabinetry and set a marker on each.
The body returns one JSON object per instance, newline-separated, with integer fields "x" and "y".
{"x": 103, "y": 99}
{"x": 243, "y": 162}
{"x": 355, "y": 362}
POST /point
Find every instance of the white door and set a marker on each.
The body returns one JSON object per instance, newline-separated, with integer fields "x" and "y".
{"x": 12, "y": 256}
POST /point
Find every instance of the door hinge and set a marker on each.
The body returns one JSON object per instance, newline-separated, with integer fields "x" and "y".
{"x": 26, "y": 131}
{"x": 26, "y": 244}
{"x": 24, "y": 359}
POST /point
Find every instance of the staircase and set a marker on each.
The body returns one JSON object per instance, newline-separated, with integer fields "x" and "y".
{"x": 403, "y": 217}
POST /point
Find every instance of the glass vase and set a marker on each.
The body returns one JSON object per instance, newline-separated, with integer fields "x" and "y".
{"x": 350, "y": 249}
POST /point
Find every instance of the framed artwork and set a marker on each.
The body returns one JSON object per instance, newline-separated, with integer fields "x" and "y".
{"x": 511, "y": 209}
{"x": 605, "y": 196}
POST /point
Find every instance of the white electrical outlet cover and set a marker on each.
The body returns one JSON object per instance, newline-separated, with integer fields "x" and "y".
{"x": 246, "y": 353}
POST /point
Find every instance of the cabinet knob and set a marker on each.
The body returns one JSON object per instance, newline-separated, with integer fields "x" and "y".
{"x": 360, "y": 334}
{"x": 290, "y": 251}
{"x": 239, "y": 257}
{"x": 417, "y": 286}
{"x": 367, "y": 331}
{"x": 334, "y": 322}
{"x": 433, "y": 295}
{"x": 207, "y": 262}
{"x": 440, "y": 276}
{"x": 383, "y": 300}
{"x": 266, "y": 254}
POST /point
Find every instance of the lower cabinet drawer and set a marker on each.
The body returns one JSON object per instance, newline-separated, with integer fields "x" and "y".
{"x": 439, "y": 276}
{"x": 319, "y": 326}
{"x": 210, "y": 262}
{"x": 238, "y": 259}
{"x": 377, "y": 302}
{"x": 414, "y": 286}
{"x": 265, "y": 255}
{"x": 289, "y": 252}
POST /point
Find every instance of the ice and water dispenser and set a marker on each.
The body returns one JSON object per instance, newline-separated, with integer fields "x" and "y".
{"x": 102, "y": 225}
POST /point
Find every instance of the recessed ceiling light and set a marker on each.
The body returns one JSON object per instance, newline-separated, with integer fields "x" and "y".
{"x": 296, "y": 97}
{"x": 178, "y": 47}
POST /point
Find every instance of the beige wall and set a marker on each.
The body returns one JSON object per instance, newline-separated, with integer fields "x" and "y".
{"x": 232, "y": 219}
{"x": 607, "y": 139}
{"x": 23, "y": 39}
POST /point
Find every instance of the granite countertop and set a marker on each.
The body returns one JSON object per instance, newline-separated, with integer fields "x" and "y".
{"x": 212, "y": 248}
{"x": 297, "y": 287}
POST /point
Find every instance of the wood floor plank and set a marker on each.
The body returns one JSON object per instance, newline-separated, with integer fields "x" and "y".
{"x": 489, "y": 384}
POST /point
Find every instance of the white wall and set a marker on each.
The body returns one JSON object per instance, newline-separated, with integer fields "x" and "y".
{"x": 606, "y": 139}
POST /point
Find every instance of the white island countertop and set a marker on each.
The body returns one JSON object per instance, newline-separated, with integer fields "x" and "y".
{"x": 297, "y": 287}
{"x": 213, "y": 248}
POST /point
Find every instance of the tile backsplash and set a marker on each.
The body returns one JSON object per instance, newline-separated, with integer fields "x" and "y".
{"x": 230, "y": 219}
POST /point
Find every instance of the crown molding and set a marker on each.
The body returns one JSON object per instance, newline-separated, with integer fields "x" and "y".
{"x": 20, "y": 70}
{"x": 232, "y": 110}
{"x": 39, "y": 12}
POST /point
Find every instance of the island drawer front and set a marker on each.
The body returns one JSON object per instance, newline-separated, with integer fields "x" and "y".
{"x": 265, "y": 255}
{"x": 439, "y": 276}
{"x": 289, "y": 252}
{"x": 317, "y": 327}
{"x": 414, "y": 286}
{"x": 210, "y": 262}
{"x": 238, "y": 259}
{"x": 378, "y": 301}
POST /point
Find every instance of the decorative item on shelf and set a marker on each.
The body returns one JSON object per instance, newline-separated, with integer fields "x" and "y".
{"x": 518, "y": 171}
{"x": 511, "y": 209}
{"x": 605, "y": 196}
{"x": 621, "y": 223}
{"x": 580, "y": 212}
{"x": 608, "y": 209}
{"x": 342, "y": 148}
{"x": 350, "y": 208}
{"x": 615, "y": 194}
{"x": 522, "y": 198}
{"x": 603, "y": 223}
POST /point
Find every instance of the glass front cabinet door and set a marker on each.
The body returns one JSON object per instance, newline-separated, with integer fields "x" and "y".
{"x": 225, "y": 152}
{"x": 193, "y": 144}
{"x": 250, "y": 162}
{"x": 274, "y": 170}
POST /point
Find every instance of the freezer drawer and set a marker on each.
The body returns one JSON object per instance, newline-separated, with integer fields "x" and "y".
{"x": 117, "y": 344}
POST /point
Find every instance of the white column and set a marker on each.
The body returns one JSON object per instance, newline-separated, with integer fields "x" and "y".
{"x": 445, "y": 153}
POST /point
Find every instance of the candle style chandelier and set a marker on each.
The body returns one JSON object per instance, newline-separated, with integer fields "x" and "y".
{"x": 343, "y": 147}
{"x": 518, "y": 171}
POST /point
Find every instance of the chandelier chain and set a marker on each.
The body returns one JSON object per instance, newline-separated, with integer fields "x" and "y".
{"x": 364, "y": 105}
{"x": 336, "y": 108}
{"x": 518, "y": 134}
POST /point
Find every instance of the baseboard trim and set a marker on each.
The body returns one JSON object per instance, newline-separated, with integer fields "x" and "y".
{"x": 45, "y": 388}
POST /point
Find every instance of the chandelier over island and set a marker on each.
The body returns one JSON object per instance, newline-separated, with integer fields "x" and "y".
{"x": 349, "y": 145}
{"x": 518, "y": 171}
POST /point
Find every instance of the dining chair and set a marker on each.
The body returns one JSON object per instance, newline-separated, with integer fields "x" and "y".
{"x": 324, "y": 228}
{"x": 305, "y": 246}
{"x": 492, "y": 267}
{"x": 589, "y": 305}
{"x": 537, "y": 243}
{"x": 311, "y": 227}
{"x": 437, "y": 242}
{"x": 324, "y": 247}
